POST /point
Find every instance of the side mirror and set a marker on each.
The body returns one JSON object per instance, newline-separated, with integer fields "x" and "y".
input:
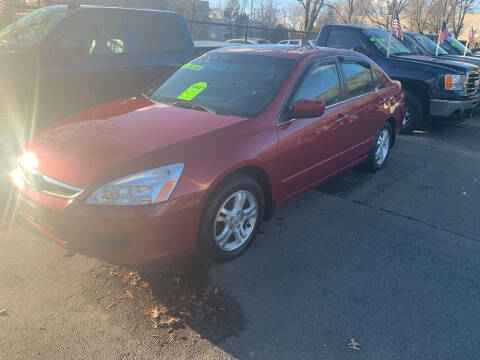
{"x": 306, "y": 108}
{"x": 362, "y": 50}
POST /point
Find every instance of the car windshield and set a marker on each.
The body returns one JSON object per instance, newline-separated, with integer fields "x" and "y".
{"x": 226, "y": 83}
{"x": 451, "y": 45}
{"x": 457, "y": 47}
{"x": 33, "y": 28}
{"x": 380, "y": 38}
{"x": 429, "y": 44}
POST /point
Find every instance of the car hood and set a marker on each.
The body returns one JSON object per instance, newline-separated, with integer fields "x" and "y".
{"x": 438, "y": 62}
{"x": 83, "y": 147}
{"x": 465, "y": 59}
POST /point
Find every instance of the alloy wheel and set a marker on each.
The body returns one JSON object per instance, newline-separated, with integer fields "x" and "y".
{"x": 235, "y": 220}
{"x": 383, "y": 147}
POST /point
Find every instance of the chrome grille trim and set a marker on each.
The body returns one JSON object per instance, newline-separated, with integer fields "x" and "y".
{"x": 44, "y": 184}
{"x": 472, "y": 84}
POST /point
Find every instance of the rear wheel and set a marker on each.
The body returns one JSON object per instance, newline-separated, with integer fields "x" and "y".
{"x": 378, "y": 156}
{"x": 231, "y": 218}
{"x": 414, "y": 114}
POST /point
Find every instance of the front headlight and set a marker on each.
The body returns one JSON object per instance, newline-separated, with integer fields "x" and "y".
{"x": 455, "y": 82}
{"x": 148, "y": 187}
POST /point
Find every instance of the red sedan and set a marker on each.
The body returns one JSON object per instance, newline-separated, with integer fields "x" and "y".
{"x": 201, "y": 160}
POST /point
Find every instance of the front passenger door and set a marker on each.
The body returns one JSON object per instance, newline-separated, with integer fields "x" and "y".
{"x": 309, "y": 146}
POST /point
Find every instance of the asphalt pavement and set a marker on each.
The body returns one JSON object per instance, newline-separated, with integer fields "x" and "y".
{"x": 389, "y": 260}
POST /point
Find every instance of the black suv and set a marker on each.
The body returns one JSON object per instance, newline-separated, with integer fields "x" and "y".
{"x": 436, "y": 88}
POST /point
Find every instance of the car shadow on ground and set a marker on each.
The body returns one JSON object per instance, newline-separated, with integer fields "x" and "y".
{"x": 182, "y": 298}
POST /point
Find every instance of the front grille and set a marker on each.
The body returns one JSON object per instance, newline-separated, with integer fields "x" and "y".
{"x": 472, "y": 84}
{"x": 42, "y": 183}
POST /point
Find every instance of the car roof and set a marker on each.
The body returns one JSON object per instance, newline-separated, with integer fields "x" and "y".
{"x": 285, "y": 51}
{"x": 95, "y": 7}
{"x": 357, "y": 26}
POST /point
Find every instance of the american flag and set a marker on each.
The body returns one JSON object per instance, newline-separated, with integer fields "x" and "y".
{"x": 471, "y": 35}
{"x": 3, "y": 5}
{"x": 443, "y": 33}
{"x": 396, "y": 25}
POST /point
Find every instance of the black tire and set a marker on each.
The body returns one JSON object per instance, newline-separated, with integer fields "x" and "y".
{"x": 207, "y": 230}
{"x": 372, "y": 163}
{"x": 415, "y": 114}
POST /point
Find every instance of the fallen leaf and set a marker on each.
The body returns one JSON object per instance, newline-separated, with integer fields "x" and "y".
{"x": 353, "y": 345}
{"x": 110, "y": 292}
{"x": 169, "y": 322}
{"x": 157, "y": 311}
{"x": 144, "y": 284}
{"x": 111, "y": 305}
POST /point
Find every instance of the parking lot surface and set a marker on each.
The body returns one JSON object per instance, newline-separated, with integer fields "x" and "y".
{"x": 390, "y": 260}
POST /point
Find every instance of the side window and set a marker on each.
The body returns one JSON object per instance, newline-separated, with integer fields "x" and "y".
{"x": 376, "y": 80}
{"x": 158, "y": 33}
{"x": 359, "y": 78}
{"x": 321, "y": 83}
{"x": 97, "y": 34}
{"x": 342, "y": 39}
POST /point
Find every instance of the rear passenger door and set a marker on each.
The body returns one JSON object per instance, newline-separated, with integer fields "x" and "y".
{"x": 364, "y": 106}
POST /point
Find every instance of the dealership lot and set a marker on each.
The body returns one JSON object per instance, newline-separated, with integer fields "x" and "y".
{"x": 390, "y": 260}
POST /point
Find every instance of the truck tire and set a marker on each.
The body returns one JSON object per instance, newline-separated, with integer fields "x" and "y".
{"x": 414, "y": 114}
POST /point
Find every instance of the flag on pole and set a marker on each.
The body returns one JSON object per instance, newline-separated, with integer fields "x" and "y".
{"x": 471, "y": 35}
{"x": 3, "y": 5}
{"x": 443, "y": 33}
{"x": 396, "y": 25}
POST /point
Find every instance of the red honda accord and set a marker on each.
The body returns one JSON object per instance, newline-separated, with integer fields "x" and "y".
{"x": 201, "y": 160}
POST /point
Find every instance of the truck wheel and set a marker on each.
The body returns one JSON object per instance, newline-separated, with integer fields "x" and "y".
{"x": 231, "y": 218}
{"x": 414, "y": 114}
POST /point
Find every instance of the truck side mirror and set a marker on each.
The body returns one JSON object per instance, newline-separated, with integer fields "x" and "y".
{"x": 362, "y": 50}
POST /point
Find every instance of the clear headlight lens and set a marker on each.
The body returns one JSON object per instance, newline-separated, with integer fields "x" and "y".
{"x": 455, "y": 82}
{"x": 148, "y": 187}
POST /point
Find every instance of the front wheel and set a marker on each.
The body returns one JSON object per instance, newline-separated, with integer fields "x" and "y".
{"x": 231, "y": 218}
{"x": 379, "y": 154}
{"x": 414, "y": 114}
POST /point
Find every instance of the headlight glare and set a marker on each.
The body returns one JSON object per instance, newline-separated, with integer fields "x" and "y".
{"x": 455, "y": 82}
{"x": 148, "y": 187}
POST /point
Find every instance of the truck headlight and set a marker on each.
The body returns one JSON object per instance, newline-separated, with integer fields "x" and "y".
{"x": 455, "y": 82}
{"x": 148, "y": 187}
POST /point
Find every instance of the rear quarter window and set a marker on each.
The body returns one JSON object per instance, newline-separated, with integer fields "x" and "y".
{"x": 158, "y": 33}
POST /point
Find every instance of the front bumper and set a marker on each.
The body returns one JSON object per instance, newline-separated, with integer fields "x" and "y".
{"x": 453, "y": 109}
{"x": 119, "y": 234}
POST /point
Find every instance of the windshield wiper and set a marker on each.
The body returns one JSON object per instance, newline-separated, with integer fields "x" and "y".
{"x": 193, "y": 106}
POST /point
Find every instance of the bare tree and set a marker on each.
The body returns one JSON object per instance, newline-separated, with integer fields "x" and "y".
{"x": 379, "y": 12}
{"x": 459, "y": 8}
{"x": 311, "y": 10}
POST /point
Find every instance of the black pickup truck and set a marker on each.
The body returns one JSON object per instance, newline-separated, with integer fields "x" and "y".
{"x": 436, "y": 88}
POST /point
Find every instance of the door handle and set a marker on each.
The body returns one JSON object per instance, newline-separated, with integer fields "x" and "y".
{"x": 341, "y": 118}
{"x": 382, "y": 101}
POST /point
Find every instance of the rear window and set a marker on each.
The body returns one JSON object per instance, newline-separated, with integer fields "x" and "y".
{"x": 158, "y": 33}
{"x": 230, "y": 84}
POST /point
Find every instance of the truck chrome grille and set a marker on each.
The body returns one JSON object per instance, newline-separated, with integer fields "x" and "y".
{"x": 472, "y": 85}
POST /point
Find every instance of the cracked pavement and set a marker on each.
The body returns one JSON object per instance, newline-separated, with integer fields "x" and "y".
{"x": 390, "y": 260}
